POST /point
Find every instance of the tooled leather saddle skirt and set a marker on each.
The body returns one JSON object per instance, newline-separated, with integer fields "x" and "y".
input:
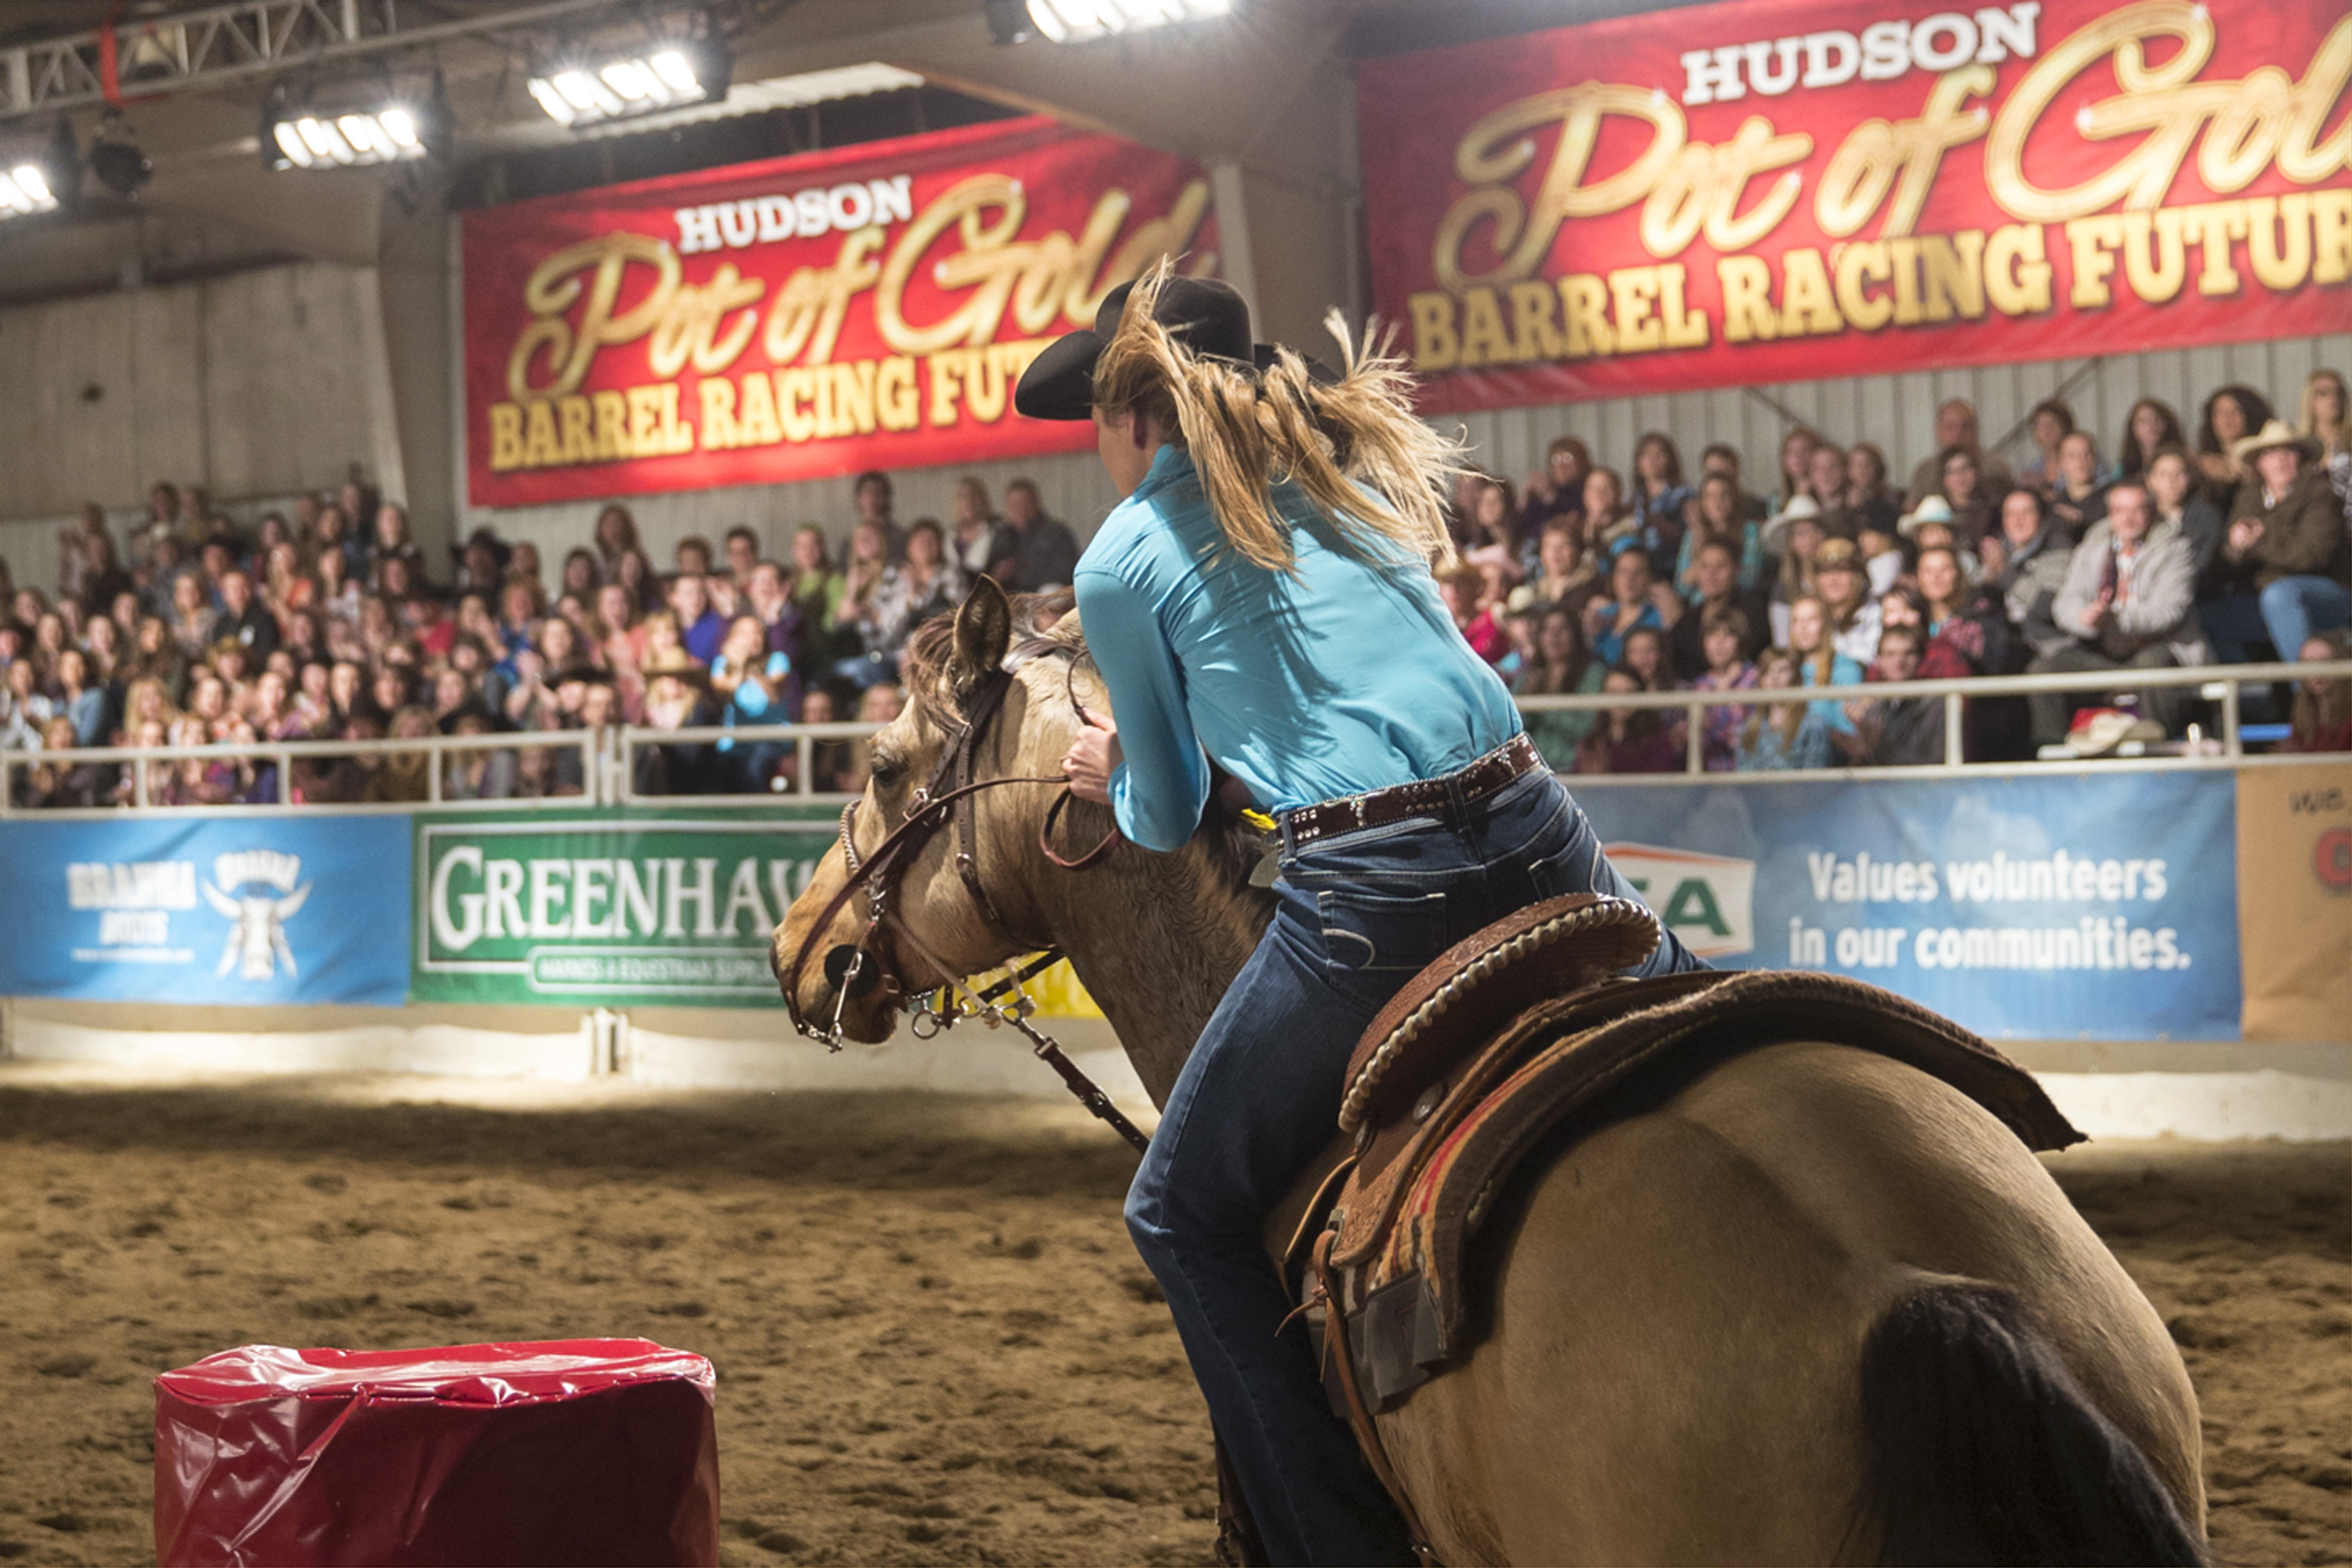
{"x": 1521, "y": 1032}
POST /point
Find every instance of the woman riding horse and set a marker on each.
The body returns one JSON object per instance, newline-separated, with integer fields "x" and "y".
{"x": 1263, "y": 601}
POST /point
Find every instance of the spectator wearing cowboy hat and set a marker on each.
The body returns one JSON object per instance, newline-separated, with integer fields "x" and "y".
{"x": 1930, "y": 509}
{"x": 482, "y": 562}
{"x": 2129, "y": 601}
{"x": 2285, "y": 567}
{"x": 677, "y": 697}
{"x": 1794, "y": 537}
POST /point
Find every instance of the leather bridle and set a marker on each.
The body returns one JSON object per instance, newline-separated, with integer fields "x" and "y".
{"x": 947, "y": 799}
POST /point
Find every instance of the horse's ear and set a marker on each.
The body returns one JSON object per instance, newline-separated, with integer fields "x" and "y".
{"x": 983, "y": 630}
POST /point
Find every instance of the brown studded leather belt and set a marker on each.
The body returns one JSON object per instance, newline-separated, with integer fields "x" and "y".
{"x": 1428, "y": 797}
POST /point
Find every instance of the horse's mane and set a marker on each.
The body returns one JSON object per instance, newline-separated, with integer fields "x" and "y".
{"x": 1234, "y": 846}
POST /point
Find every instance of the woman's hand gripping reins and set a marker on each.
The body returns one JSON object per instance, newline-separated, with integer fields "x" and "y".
{"x": 1093, "y": 757}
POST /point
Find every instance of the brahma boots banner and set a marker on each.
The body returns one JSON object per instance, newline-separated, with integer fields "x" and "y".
{"x": 2102, "y": 906}
{"x": 265, "y": 909}
{"x": 869, "y": 307}
{"x": 1788, "y": 190}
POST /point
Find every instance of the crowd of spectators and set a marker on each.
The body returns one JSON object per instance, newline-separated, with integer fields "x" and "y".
{"x": 327, "y": 621}
{"x": 2230, "y": 544}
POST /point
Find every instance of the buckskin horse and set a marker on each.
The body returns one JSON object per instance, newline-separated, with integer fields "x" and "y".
{"x": 1804, "y": 1303}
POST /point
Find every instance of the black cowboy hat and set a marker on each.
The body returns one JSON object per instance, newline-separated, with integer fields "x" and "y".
{"x": 1207, "y": 315}
{"x": 500, "y": 550}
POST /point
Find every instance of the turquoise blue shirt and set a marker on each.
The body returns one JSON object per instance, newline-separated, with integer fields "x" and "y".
{"x": 1843, "y": 671}
{"x": 1345, "y": 676}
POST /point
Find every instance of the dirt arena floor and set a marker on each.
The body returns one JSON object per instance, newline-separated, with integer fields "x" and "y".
{"x": 933, "y": 1341}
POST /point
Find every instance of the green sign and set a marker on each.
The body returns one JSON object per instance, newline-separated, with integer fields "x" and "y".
{"x": 650, "y": 908}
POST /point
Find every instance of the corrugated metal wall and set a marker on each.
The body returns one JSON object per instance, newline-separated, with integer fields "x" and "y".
{"x": 255, "y": 385}
{"x": 1072, "y": 485}
{"x": 1898, "y": 412}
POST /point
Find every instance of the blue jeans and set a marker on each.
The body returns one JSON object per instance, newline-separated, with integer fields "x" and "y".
{"x": 2287, "y": 612}
{"x": 1356, "y": 916}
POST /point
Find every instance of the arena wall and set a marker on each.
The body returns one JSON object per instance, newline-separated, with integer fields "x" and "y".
{"x": 2204, "y": 1091}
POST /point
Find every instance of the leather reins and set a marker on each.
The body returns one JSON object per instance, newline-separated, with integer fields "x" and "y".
{"x": 947, "y": 799}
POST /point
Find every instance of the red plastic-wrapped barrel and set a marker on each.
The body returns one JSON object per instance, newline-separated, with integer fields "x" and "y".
{"x": 566, "y": 1451}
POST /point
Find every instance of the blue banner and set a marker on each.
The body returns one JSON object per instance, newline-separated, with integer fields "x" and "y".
{"x": 2096, "y": 906}
{"x": 242, "y": 910}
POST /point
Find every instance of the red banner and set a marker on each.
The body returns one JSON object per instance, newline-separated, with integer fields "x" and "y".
{"x": 865, "y": 308}
{"x": 1787, "y": 190}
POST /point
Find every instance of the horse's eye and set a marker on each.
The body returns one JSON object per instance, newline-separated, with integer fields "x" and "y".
{"x": 888, "y": 768}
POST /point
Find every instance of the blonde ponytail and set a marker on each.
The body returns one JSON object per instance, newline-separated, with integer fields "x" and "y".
{"x": 1355, "y": 446}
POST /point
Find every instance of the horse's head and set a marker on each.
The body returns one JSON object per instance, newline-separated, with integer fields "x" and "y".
{"x": 899, "y": 853}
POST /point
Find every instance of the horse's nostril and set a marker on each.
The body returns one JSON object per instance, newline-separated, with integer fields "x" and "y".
{"x": 845, "y": 966}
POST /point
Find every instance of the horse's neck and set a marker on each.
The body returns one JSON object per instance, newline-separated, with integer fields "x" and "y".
{"x": 1157, "y": 939}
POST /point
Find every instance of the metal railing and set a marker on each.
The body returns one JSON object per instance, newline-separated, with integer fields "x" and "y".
{"x": 143, "y": 760}
{"x": 2215, "y": 683}
{"x": 608, "y": 759}
{"x": 629, "y": 739}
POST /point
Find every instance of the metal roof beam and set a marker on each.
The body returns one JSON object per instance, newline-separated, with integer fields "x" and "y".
{"x": 224, "y": 44}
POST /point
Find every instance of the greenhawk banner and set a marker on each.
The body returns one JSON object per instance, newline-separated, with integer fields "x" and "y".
{"x": 648, "y": 907}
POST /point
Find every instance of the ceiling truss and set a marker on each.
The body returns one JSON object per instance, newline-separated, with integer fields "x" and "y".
{"x": 194, "y": 51}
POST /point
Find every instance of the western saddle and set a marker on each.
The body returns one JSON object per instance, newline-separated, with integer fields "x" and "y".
{"x": 1520, "y": 1031}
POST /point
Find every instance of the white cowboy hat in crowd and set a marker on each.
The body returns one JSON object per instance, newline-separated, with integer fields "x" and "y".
{"x": 1794, "y": 508}
{"x": 2277, "y": 433}
{"x": 1931, "y": 508}
{"x": 2102, "y": 729}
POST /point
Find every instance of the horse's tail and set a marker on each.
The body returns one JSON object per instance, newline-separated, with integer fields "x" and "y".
{"x": 1981, "y": 1448}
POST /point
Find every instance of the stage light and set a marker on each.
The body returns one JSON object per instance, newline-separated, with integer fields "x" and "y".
{"x": 578, "y": 93}
{"x": 391, "y": 127}
{"x": 352, "y": 128}
{"x": 24, "y": 191}
{"x": 1077, "y": 21}
{"x": 40, "y": 182}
